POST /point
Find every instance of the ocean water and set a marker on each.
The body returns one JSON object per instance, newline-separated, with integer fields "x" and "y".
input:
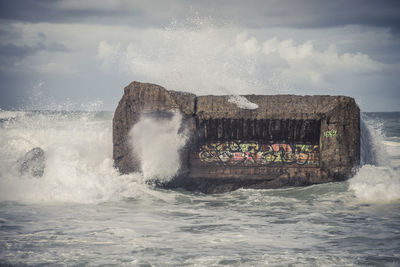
{"x": 83, "y": 213}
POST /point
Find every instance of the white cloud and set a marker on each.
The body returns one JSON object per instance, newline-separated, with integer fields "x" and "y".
{"x": 287, "y": 49}
{"x": 249, "y": 45}
{"x": 208, "y": 60}
{"x": 306, "y": 65}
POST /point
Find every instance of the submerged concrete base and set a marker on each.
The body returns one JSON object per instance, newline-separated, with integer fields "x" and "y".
{"x": 287, "y": 140}
{"x": 220, "y": 185}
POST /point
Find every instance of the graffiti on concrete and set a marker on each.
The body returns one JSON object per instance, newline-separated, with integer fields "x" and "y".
{"x": 330, "y": 133}
{"x": 255, "y": 153}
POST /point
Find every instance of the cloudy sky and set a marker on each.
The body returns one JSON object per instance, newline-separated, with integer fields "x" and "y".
{"x": 72, "y": 54}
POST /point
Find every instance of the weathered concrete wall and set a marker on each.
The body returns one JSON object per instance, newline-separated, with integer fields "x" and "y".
{"x": 138, "y": 99}
{"x": 287, "y": 140}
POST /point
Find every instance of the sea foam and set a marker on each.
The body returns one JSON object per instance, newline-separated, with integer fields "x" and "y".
{"x": 157, "y": 142}
{"x": 79, "y": 166}
{"x": 378, "y": 179}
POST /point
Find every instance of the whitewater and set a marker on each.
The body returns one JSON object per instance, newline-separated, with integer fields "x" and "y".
{"x": 83, "y": 212}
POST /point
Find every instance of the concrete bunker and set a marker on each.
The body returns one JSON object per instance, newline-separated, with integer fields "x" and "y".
{"x": 287, "y": 140}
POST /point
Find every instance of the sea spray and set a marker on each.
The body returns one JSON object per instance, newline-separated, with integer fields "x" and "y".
{"x": 79, "y": 165}
{"x": 373, "y": 150}
{"x": 376, "y": 184}
{"x": 367, "y": 146}
{"x": 156, "y": 142}
{"x": 195, "y": 56}
{"x": 377, "y": 180}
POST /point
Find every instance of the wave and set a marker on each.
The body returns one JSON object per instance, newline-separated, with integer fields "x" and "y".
{"x": 156, "y": 142}
{"x": 378, "y": 179}
{"x": 376, "y": 184}
{"x": 79, "y": 164}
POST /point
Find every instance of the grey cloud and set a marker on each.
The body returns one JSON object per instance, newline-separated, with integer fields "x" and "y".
{"x": 11, "y": 53}
{"x": 309, "y": 13}
{"x": 56, "y": 47}
{"x": 25, "y": 10}
{"x": 256, "y": 13}
{"x": 41, "y": 35}
{"x": 13, "y": 88}
{"x": 15, "y": 51}
{"x": 53, "y": 11}
{"x": 8, "y": 33}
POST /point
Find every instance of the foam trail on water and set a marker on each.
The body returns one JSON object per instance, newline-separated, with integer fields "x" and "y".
{"x": 156, "y": 142}
{"x": 378, "y": 180}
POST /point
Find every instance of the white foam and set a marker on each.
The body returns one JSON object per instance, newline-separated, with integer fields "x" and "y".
{"x": 378, "y": 181}
{"x": 376, "y": 184}
{"x": 79, "y": 165}
{"x": 156, "y": 142}
{"x": 242, "y": 102}
{"x": 5, "y": 114}
{"x": 391, "y": 143}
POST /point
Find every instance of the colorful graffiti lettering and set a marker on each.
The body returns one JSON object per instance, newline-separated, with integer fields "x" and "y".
{"x": 254, "y": 153}
{"x": 330, "y": 133}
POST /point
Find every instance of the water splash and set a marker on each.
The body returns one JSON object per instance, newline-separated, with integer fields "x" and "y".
{"x": 79, "y": 165}
{"x": 203, "y": 58}
{"x": 157, "y": 142}
{"x": 376, "y": 184}
{"x": 367, "y": 146}
{"x": 377, "y": 180}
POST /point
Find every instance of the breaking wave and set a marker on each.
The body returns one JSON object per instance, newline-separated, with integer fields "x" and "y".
{"x": 378, "y": 179}
{"x": 78, "y": 149}
{"x": 79, "y": 165}
{"x": 157, "y": 142}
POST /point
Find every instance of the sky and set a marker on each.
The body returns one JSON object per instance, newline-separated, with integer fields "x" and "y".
{"x": 79, "y": 55}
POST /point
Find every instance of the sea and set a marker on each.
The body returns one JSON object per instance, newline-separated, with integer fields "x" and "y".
{"x": 82, "y": 212}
